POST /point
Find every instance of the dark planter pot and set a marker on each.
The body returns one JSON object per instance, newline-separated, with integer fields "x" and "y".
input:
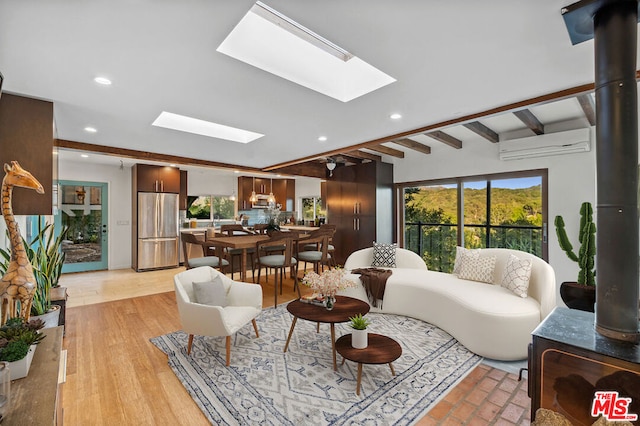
{"x": 577, "y": 296}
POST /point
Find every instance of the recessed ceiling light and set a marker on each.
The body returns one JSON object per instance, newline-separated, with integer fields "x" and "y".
{"x": 269, "y": 40}
{"x": 173, "y": 165}
{"x": 395, "y": 116}
{"x": 322, "y": 138}
{"x": 183, "y": 123}
{"x": 90, "y": 129}
{"x": 84, "y": 155}
{"x": 236, "y": 171}
{"x": 102, "y": 80}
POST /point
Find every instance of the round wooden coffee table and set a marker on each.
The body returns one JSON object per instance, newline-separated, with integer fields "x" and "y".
{"x": 380, "y": 350}
{"x": 344, "y": 308}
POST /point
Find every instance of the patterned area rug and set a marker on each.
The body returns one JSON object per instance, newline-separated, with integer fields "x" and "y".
{"x": 265, "y": 386}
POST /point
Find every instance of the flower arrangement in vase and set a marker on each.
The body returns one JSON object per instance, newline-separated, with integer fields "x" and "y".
{"x": 328, "y": 284}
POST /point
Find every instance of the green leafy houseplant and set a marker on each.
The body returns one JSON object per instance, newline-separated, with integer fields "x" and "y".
{"x": 358, "y": 322}
{"x": 587, "y": 239}
{"x": 46, "y": 257}
{"x": 16, "y": 336}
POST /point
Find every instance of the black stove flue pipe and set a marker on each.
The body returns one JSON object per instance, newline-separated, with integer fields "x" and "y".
{"x": 614, "y": 26}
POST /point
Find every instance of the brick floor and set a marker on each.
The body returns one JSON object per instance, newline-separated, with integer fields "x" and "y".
{"x": 487, "y": 396}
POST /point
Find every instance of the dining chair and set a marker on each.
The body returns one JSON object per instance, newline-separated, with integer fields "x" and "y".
{"x": 280, "y": 261}
{"x": 234, "y": 230}
{"x": 316, "y": 250}
{"x": 192, "y": 246}
{"x": 331, "y": 230}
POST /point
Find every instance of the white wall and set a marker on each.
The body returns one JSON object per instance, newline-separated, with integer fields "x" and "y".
{"x": 211, "y": 182}
{"x": 306, "y": 188}
{"x": 572, "y": 180}
{"x": 119, "y": 209}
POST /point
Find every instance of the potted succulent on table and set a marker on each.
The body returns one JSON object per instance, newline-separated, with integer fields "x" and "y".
{"x": 580, "y": 294}
{"x": 18, "y": 340}
{"x": 359, "y": 335}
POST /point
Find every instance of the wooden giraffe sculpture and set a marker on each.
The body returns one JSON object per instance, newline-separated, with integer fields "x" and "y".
{"x": 18, "y": 283}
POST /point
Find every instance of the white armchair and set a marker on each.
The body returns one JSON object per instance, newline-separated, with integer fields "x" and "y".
{"x": 244, "y": 304}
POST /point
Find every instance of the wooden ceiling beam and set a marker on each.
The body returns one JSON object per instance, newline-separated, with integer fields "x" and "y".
{"x": 309, "y": 169}
{"x": 441, "y": 136}
{"x": 530, "y": 120}
{"x": 148, "y": 156}
{"x": 588, "y": 107}
{"x": 482, "y": 130}
{"x": 362, "y": 155}
{"x": 416, "y": 146}
{"x": 387, "y": 150}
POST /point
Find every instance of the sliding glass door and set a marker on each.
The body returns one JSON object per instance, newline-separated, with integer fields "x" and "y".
{"x": 504, "y": 210}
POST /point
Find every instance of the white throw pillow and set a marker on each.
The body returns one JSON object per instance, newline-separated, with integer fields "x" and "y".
{"x": 210, "y": 292}
{"x": 461, "y": 255}
{"x": 478, "y": 269}
{"x": 384, "y": 255}
{"x": 516, "y": 275}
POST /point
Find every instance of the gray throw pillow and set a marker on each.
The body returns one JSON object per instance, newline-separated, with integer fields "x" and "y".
{"x": 210, "y": 293}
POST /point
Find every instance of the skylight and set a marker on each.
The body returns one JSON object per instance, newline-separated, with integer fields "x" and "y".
{"x": 183, "y": 123}
{"x": 275, "y": 43}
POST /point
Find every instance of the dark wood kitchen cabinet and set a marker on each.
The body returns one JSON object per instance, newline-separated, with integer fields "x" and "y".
{"x": 284, "y": 190}
{"x": 360, "y": 203}
{"x": 147, "y": 178}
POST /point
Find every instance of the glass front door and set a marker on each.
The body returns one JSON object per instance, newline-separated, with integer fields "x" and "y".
{"x": 83, "y": 209}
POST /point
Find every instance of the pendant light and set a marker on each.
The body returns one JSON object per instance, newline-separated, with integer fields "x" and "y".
{"x": 253, "y": 197}
{"x": 272, "y": 198}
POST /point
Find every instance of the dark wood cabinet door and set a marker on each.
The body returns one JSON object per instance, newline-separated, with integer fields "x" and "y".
{"x": 169, "y": 179}
{"x": 146, "y": 178}
{"x": 280, "y": 192}
{"x": 263, "y": 186}
{"x": 245, "y": 187}
{"x": 366, "y": 189}
{"x": 366, "y": 230}
{"x": 345, "y": 240}
{"x": 346, "y": 178}
{"x": 157, "y": 179}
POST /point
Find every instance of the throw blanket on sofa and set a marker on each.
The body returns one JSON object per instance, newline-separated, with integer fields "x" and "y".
{"x": 374, "y": 281}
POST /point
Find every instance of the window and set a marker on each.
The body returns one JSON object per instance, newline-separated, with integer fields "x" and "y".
{"x": 312, "y": 208}
{"x": 210, "y": 207}
{"x": 504, "y": 210}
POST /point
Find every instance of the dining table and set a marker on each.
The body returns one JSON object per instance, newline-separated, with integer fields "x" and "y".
{"x": 242, "y": 242}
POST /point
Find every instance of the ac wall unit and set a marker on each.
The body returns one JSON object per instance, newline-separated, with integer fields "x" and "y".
{"x": 569, "y": 142}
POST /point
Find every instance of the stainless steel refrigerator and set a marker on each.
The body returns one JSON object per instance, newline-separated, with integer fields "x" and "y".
{"x": 158, "y": 237}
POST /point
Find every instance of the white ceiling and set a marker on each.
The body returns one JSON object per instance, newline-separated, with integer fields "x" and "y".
{"x": 450, "y": 58}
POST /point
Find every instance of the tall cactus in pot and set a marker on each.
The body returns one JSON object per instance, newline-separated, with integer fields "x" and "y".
{"x": 587, "y": 239}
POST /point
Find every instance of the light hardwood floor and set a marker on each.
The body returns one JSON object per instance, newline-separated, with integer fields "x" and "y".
{"x": 115, "y": 376}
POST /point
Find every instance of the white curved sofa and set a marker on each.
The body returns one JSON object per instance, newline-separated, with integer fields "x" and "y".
{"x": 488, "y": 319}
